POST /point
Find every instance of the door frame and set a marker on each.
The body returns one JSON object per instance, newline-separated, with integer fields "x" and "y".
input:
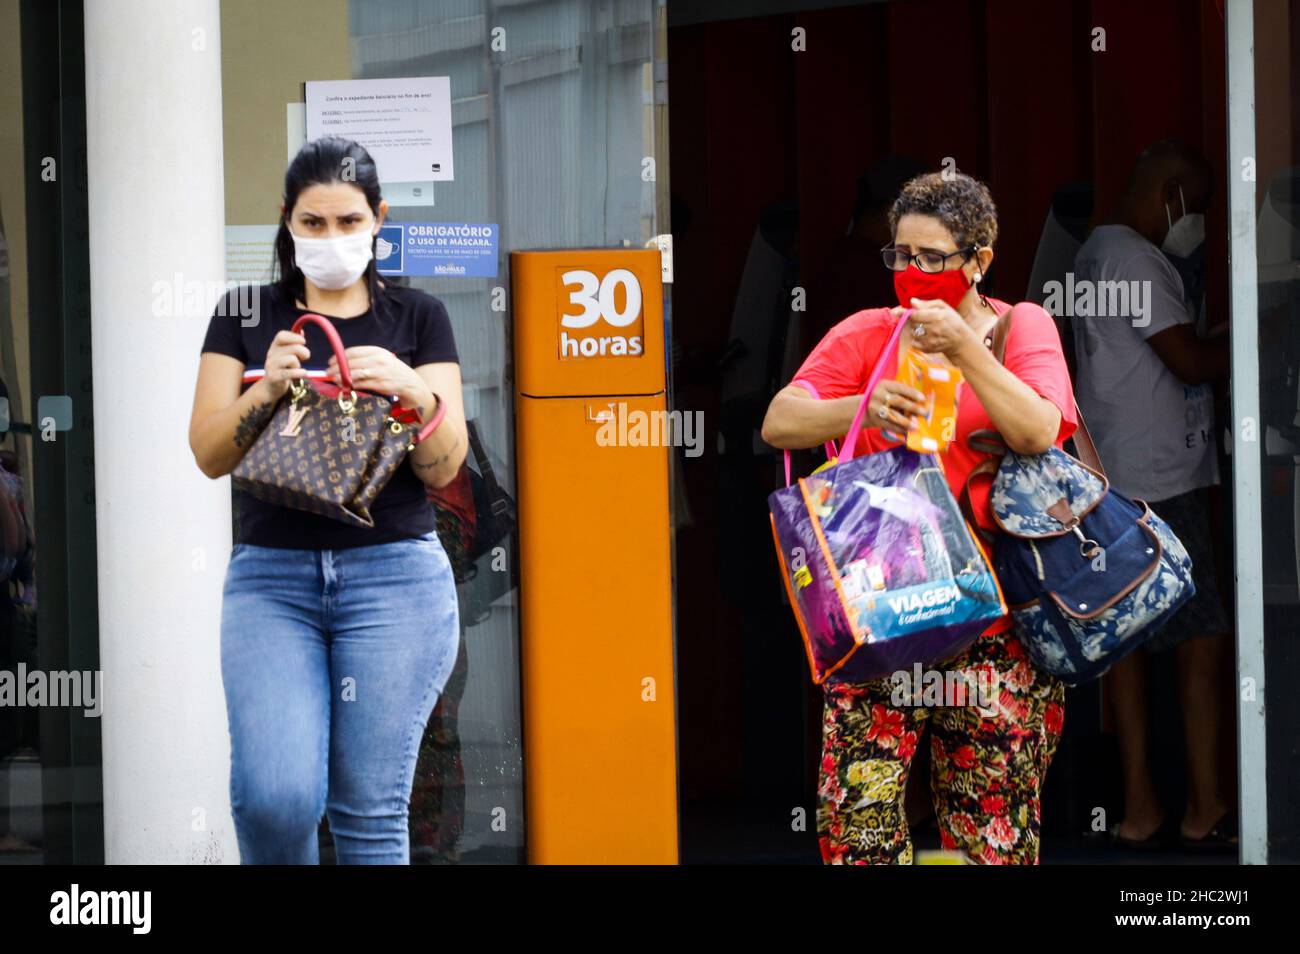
{"x": 1252, "y": 776}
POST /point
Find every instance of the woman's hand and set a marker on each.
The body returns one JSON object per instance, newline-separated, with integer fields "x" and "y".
{"x": 284, "y": 362}
{"x": 937, "y": 328}
{"x": 902, "y": 404}
{"x": 379, "y": 370}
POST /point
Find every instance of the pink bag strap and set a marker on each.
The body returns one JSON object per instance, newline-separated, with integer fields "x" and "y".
{"x": 845, "y": 450}
{"x": 332, "y": 334}
{"x": 831, "y": 450}
{"x": 851, "y": 439}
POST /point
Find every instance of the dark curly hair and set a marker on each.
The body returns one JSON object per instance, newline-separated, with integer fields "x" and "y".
{"x": 960, "y": 202}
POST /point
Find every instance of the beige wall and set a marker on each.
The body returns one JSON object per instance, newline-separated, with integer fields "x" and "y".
{"x": 268, "y": 50}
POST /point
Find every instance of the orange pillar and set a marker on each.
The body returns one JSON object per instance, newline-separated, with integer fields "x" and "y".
{"x": 600, "y": 754}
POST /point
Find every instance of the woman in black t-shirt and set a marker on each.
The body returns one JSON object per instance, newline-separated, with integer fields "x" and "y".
{"x": 335, "y": 640}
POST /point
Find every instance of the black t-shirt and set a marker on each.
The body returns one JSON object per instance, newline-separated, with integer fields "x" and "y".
{"x": 414, "y": 326}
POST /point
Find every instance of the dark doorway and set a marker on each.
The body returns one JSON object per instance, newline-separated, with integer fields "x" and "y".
{"x": 776, "y": 151}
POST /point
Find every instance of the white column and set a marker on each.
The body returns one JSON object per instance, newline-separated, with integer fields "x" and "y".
{"x": 1252, "y": 760}
{"x": 157, "y": 218}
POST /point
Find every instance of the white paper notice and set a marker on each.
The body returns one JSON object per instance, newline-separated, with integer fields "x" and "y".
{"x": 249, "y": 249}
{"x": 295, "y": 128}
{"x": 405, "y": 124}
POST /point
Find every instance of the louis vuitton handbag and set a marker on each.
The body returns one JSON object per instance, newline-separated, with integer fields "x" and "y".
{"x": 328, "y": 449}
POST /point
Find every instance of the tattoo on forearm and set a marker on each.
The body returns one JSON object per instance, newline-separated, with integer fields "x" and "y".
{"x": 440, "y": 460}
{"x": 252, "y": 423}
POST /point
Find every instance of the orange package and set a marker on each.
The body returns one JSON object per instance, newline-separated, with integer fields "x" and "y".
{"x": 938, "y": 382}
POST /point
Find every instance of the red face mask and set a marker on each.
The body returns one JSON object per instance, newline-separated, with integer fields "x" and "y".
{"x": 948, "y": 286}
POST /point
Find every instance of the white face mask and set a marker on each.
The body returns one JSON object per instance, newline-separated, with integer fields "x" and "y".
{"x": 333, "y": 263}
{"x": 1185, "y": 235}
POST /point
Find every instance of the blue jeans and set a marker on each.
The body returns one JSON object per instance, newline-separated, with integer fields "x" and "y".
{"x": 332, "y": 661}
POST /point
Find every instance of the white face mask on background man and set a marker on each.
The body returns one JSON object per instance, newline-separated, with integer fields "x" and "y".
{"x": 1184, "y": 246}
{"x": 333, "y": 263}
{"x": 1185, "y": 235}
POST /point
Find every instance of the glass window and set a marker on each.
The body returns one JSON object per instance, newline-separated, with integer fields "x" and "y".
{"x": 51, "y": 789}
{"x": 552, "y": 119}
{"x": 1265, "y": 145}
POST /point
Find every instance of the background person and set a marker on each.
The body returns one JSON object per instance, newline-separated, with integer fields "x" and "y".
{"x": 1144, "y": 388}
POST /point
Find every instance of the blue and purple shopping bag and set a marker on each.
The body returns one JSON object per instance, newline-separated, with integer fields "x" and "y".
{"x": 882, "y": 570}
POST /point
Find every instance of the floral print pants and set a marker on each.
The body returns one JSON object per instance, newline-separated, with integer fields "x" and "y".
{"x": 986, "y": 769}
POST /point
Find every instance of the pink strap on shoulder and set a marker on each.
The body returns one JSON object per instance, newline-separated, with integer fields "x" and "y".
{"x": 845, "y": 451}
{"x": 851, "y": 439}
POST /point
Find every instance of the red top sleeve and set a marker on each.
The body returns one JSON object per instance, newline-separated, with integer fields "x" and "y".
{"x": 843, "y": 360}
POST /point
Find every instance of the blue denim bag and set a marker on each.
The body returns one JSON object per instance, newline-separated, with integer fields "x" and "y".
{"x": 1088, "y": 574}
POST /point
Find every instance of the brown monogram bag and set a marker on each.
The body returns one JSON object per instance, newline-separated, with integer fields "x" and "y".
{"x": 330, "y": 449}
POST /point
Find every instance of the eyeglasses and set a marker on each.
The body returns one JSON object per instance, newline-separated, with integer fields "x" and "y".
{"x": 896, "y": 260}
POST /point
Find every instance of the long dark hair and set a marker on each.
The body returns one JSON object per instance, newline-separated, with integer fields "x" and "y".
{"x": 320, "y": 162}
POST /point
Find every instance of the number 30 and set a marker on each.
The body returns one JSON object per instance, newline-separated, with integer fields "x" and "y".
{"x": 596, "y": 299}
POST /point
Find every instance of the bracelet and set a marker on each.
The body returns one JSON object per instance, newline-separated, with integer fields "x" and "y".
{"x": 435, "y": 419}
{"x": 437, "y": 403}
{"x": 437, "y": 406}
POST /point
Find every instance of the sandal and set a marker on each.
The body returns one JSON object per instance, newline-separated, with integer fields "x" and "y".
{"x": 1158, "y": 840}
{"x": 11, "y": 844}
{"x": 1222, "y": 837}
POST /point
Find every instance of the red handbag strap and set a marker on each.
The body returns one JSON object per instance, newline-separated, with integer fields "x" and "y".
{"x": 335, "y": 342}
{"x": 346, "y": 375}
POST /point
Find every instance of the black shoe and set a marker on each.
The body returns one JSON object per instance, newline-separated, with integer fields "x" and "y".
{"x": 1222, "y": 837}
{"x": 1159, "y": 840}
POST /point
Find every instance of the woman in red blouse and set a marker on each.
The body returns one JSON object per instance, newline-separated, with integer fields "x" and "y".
{"x": 987, "y": 764}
